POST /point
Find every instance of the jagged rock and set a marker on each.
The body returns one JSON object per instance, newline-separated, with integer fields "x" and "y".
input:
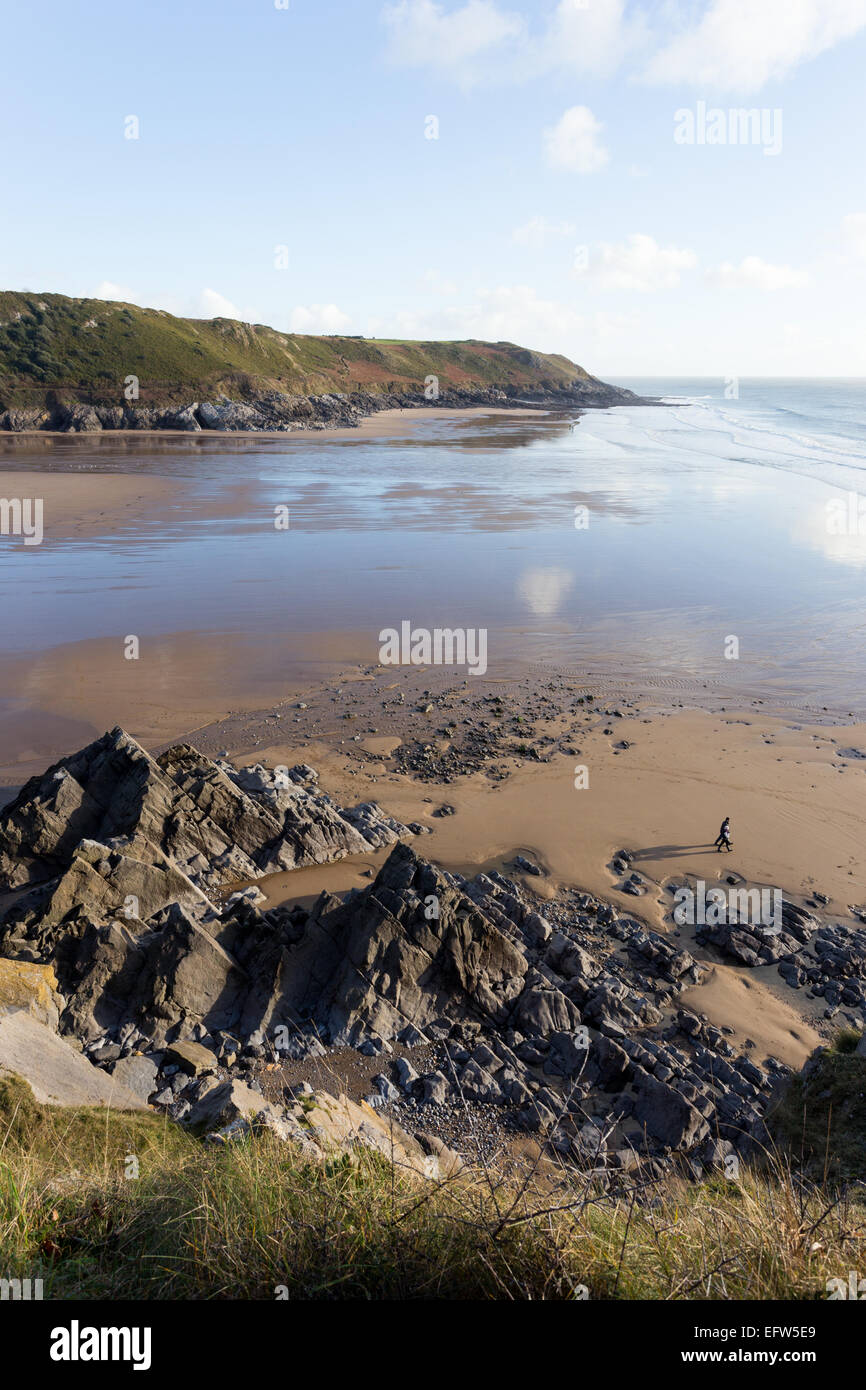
{"x": 566, "y": 1057}
{"x": 77, "y": 419}
{"x": 388, "y": 1092}
{"x": 375, "y": 963}
{"x": 406, "y": 1073}
{"x": 476, "y": 1084}
{"x": 36, "y": 418}
{"x": 410, "y": 1036}
{"x": 434, "y": 1088}
{"x": 667, "y": 1115}
{"x": 569, "y": 959}
{"x": 183, "y": 418}
{"x": 319, "y": 1126}
{"x": 219, "y": 1105}
{"x": 543, "y": 1009}
{"x": 181, "y": 812}
{"x": 120, "y": 856}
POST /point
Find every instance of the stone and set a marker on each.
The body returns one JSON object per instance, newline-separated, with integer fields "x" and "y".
{"x": 224, "y": 1103}
{"x": 137, "y": 1074}
{"x": 406, "y": 1073}
{"x": 190, "y": 1057}
{"x": 26, "y": 985}
{"x": 388, "y": 1092}
{"x": 667, "y": 1115}
{"x": 434, "y": 1088}
{"x": 55, "y": 1072}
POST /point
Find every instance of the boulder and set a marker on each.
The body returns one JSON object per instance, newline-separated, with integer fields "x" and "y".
{"x": 25, "y": 985}
{"x": 667, "y": 1115}
{"x": 137, "y": 1073}
{"x": 191, "y": 1057}
{"x": 55, "y": 1072}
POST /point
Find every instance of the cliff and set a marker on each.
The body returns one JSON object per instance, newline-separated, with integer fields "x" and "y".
{"x": 89, "y": 364}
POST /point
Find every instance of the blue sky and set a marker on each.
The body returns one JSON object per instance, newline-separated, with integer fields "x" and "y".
{"x": 556, "y": 208}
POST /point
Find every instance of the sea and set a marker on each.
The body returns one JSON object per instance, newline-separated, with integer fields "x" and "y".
{"x": 717, "y": 538}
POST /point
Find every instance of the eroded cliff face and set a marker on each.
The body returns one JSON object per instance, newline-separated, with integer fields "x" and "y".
{"x": 276, "y": 411}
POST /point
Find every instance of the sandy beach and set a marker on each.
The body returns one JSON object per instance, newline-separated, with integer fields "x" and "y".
{"x": 664, "y": 759}
{"x": 793, "y": 796}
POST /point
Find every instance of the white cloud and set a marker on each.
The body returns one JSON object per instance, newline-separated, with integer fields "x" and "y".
{"x": 741, "y": 44}
{"x": 483, "y": 39}
{"x": 106, "y": 289}
{"x": 215, "y": 306}
{"x": 854, "y": 232}
{"x": 318, "y": 318}
{"x": 506, "y": 313}
{"x": 736, "y": 45}
{"x": 639, "y": 263}
{"x": 592, "y": 36}
{"x": 754, "y": 274}
{"x": 423, "y": 34}
{"x": 573, "y": 142}
{"x": 438, "y": 283}
{"x": 516, "y": 314}
{"x": 538, "y": 232}
{"x": 206, "y": 304}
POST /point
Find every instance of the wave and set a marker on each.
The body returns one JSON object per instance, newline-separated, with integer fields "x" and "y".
{"x": 766, "y": 435}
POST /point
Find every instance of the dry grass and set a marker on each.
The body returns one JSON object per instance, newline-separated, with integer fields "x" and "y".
{"x": 252, "y": 1219}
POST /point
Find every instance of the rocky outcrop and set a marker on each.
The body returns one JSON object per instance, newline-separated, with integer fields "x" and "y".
{"x": 188, "y": 824}
{"x": 277, "y": 411}
{"x": 565, "y": 1024}
{"x": 32, "y": 988}
{"x": 122, "y": 857}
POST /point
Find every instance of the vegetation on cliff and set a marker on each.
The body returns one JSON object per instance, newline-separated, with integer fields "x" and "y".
{"x": 56, "y": 348}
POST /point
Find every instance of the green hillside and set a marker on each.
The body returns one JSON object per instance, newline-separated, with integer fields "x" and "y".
{"x": 56, "y": 348}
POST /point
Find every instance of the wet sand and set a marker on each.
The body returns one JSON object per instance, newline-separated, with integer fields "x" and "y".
{"x": 80, "y": 506}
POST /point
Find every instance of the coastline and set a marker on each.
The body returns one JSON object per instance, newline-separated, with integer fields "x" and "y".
{"x": 280, "y": 415}
{"x": 387, "y": 423}
{"x": 666, "y": 760}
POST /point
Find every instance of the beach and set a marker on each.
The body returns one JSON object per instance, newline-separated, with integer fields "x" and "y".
{"x": 281, "y": 663}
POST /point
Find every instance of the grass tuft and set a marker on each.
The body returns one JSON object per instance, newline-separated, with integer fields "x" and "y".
{"x": 110, "y": 1205}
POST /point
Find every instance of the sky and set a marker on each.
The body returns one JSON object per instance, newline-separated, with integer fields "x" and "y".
{"x": 571, "y": 175}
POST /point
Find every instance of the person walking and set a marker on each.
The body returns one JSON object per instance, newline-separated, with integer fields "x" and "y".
{"x": 723, "y": 840}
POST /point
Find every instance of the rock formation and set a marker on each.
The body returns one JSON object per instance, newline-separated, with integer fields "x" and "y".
{"x": 278, "y": 411}
{"x": 116, "y": 865}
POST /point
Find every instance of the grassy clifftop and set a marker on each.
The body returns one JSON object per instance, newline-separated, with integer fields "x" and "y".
{"x": 53, "y": 347}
